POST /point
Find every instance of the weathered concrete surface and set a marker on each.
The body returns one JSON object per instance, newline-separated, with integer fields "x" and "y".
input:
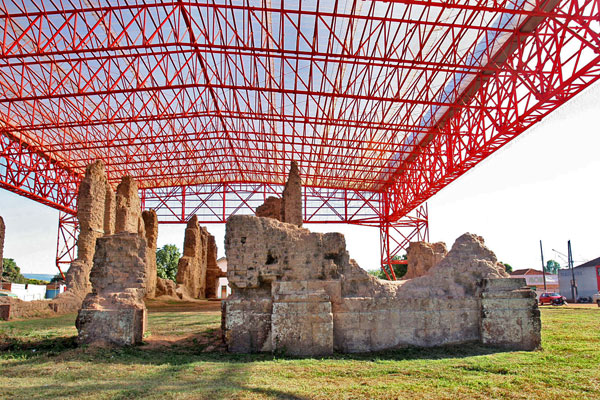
{"x": 271, "y": 208}
{"x": 90, "y": 213}
{"x": 114, "y": 313}
{"x": 336, "y": 304}
{"x": 510, "y": 317}
{"x": 421, "y": 256}
{"x": 291, "y": 201}
{"x": 151, "y": 229}
{"x": 2, "y": 233}
{"x": 128, "y": 207}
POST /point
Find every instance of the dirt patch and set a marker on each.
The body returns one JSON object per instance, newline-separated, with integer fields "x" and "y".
{"x": 165, "y": 303}
{"x": 202, "y": 341}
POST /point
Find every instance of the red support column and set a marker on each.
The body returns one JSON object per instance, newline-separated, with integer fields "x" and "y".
{"x": 66, "y": 244}
{"x": 395, "y": 236}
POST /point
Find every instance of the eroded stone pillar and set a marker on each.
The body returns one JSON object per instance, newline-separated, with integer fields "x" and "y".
{"x": 90, "y": 214}
{"x": 115, "y": 313}
{"x": 291, "y": 209}
{"x": 109, "y": 211}
{"x": 188, "y": 268}
{"x": 151, "y": 229}
{"x": 128, "y": 207}
{"x": 213, "y": 272}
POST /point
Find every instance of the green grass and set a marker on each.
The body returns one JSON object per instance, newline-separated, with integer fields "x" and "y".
{"x": 39, "y": 360}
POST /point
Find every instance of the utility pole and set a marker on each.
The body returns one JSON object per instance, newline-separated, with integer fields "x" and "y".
{"x": 543, "y": 268}
{"x": 573, "y": 283}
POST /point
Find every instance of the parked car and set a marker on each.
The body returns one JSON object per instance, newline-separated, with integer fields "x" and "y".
{"x": 4, "y": 293}
{"x": 552, "y": 298}
{"x": 596, "y": 299}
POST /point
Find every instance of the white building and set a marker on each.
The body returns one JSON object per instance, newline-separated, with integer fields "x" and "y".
{"x": 28, "y": 292}
{"x": 223, "y": 291}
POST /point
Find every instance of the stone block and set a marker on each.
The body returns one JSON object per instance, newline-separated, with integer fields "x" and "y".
{"x": 121, "y": 327}
{"x": 302, "y": 328}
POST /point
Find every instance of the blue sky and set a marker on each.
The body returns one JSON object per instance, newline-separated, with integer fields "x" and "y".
{"x": 543, "y": 185}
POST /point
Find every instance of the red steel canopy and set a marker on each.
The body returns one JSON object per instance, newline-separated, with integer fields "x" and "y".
{"x": 381, "y": 103}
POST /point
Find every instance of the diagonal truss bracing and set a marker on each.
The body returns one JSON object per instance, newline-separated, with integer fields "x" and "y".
{"x": 205, "y": 103}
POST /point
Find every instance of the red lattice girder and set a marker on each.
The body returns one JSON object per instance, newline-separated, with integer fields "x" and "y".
{"x": 381, "y": 103}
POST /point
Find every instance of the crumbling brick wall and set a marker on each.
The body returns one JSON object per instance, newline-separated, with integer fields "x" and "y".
{"x": 421, "y": 256}
{"x": 288, "y": 208}
{"x": 114, "y": 312}
{"x": 299, "y": 292}
{"x": 271, "y": 208}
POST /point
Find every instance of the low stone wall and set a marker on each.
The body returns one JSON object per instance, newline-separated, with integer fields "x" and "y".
{"x": 299, "y": 292}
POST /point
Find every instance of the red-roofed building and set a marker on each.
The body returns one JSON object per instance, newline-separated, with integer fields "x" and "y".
{"x": 535, "y": 280}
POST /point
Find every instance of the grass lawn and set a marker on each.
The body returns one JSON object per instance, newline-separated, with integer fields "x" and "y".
{"x": 184, "y": 359}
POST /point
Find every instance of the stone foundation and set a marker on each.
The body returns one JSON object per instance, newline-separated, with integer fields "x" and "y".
{"x": 114, "y": 313}
{"x": 299, "y": 293}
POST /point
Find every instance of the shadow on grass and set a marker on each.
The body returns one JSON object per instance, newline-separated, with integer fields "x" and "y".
{"x": 197, "y": 349}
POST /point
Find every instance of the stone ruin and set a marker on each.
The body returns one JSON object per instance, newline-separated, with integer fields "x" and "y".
{"x": 288, "y": 208}
{"x": 114, "y": 312}
{"x": 197, "y": 272}
{"x": 91, "y": 213}
{"x": 2, "y": 232}
{"x": 300, "y": 293}
{"x": 421, "y": 256}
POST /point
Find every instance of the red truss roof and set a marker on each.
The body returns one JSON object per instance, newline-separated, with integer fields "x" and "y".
{"x": 381, "y": 103}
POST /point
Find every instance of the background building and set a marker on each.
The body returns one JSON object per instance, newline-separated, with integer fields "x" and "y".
{"x": 224, "y": 290}
{"x": 587, "y": 280}
{"x": 535, "y": 280}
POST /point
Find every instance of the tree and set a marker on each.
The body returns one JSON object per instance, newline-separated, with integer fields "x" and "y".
{"x": 399, "y": 269}
{"x": 552, "y": 267}
{"x": 11, "y": 272}
{"x": 507, "y": 267}
{"x": 167, "y": 259}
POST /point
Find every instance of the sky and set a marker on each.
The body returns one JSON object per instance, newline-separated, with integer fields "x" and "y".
{"x": 541, "y": 186}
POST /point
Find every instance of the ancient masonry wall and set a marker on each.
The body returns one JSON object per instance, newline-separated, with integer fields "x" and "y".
{"x": 2, "y": 233}
{"x": 421, "y": 256}
{"x": 271, "y": 208}
{"x": 288, "y": 208}
{"x": 91, "y": 213}
{"x": 98, "y": 211}
{"x": 115, "y": 313}
{"x": 299, "y": 292}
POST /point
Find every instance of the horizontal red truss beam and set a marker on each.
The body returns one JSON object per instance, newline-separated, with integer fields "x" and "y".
{"x": 543, "y": 72}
